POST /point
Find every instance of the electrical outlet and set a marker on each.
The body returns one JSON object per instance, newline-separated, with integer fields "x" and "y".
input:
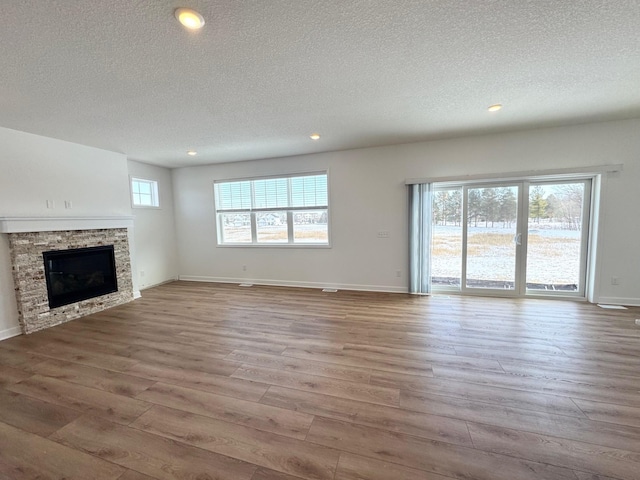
{"x": 398, "y": 273}
{"x": 244, "y": 268}
{"x": 615, "y": 281}
{"x": 68, "y": 204}
{"x": 142, "y": 273}
{"x": 51, "y": 204}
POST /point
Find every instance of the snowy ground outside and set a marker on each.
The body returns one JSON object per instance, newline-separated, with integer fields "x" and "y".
{"x": 553, "y": 254}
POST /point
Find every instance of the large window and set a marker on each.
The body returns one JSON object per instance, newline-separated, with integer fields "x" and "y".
{"x": 291, "y": 210}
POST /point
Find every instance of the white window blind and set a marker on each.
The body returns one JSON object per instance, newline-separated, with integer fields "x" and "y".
{"x": 271, "y": 193}
{"x": 233, "y": 195}
{"x": 309, "y": 191}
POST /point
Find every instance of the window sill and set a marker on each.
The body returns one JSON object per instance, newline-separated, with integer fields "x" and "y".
{"x": 146, "y": 207}
{"x": 275, "y": 245}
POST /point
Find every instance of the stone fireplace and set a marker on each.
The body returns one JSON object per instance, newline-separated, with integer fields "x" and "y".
{"x": 27, "y": 248}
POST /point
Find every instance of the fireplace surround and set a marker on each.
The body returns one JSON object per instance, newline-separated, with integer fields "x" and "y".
{"x": 26, "y": 252}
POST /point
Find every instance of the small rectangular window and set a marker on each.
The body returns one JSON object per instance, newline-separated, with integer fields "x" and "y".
{"x": 292, "y": 210}
{"x": 144, "y": 193}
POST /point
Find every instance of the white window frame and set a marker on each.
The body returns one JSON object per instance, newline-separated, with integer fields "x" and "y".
{"x": 153, "y": 184}
{"x": 290, "y": 212}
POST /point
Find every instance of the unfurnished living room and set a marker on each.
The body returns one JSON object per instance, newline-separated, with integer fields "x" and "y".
{"x": 329, "y": 240}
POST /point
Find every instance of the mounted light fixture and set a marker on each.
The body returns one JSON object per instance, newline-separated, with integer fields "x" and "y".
{"x": 189, "y": 18}
{"x": 495, "y": 107}
{"x": 192, "y": 153}
{"x": 314, "y": 136}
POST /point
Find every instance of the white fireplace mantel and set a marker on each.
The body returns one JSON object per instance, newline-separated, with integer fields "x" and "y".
{"x": 55, "y": 224}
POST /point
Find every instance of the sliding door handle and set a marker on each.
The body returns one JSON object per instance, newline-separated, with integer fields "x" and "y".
{"x": 517, "y": 239}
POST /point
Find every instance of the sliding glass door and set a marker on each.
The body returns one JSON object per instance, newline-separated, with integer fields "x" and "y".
{"x": 511, "y": 238}
{"x": 492, "y": 238}
{"x": 557, "y": 237}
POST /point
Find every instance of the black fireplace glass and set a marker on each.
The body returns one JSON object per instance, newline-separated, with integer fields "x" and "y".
{"x": 79, "y": 274}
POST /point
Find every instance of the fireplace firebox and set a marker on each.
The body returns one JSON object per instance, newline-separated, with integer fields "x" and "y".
{"x": 79, "y": 274}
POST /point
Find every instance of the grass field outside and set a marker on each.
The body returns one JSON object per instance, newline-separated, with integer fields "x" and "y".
{"x": 302, "y": 233}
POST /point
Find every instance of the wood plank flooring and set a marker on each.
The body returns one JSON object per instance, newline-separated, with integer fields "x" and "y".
{"x": 209, "y": 381}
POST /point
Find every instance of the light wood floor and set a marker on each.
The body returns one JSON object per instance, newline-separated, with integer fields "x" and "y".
{"x": 203, "y": 381}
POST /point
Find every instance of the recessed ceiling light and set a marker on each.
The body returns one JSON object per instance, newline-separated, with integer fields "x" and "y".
{"x": 189, "y": 18}
{"x": 495, "y": 107}
{"x": 193, "y": 153}
{"x": 314, "y": 136}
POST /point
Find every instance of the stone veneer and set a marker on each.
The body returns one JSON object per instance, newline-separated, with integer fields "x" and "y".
{"x": 30, "y": 284}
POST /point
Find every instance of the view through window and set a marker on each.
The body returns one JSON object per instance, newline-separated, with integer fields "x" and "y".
{"x": 483, "y": 238}
{"x": 144, "y": 193}
{"x": 290, "y": 210}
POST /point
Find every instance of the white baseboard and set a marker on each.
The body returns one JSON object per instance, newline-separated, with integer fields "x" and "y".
{"x": 629, "y": 302}
{"x": 10, "y": 332}
{"x": 136, "y": 294}
{"x": 293, "y": 283}
{"x": 155, "y": 285}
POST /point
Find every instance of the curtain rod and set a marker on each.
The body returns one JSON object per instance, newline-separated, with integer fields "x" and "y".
{"x": 595, "y": 169}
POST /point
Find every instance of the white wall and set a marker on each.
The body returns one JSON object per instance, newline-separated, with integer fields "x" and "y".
{"x": 8, "y": 309}
{"x": 367, "y": 194}
{"x": 34, "y": 169}
{"x": 154, "y": 231}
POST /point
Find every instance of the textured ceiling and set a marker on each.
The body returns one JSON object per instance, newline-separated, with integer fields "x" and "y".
{"x": 262, "y": 75}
